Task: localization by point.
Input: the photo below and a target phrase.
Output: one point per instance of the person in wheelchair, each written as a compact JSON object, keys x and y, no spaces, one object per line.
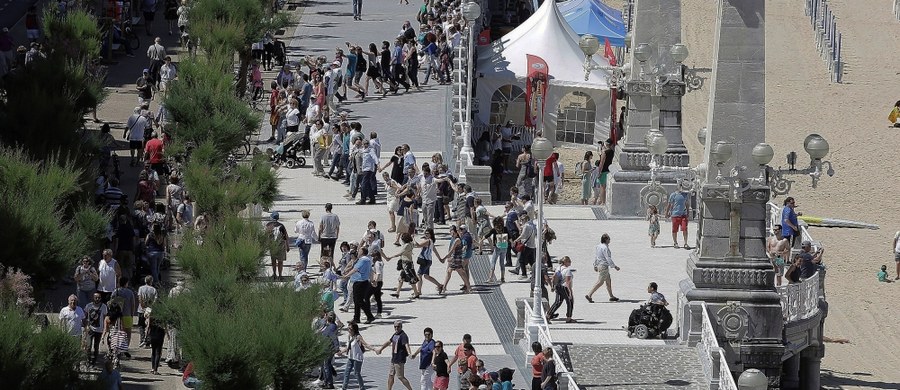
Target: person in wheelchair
{"x":652,"y":318}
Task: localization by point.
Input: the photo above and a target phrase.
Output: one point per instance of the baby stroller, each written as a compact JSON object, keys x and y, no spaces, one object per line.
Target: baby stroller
{"x":290,"y":152}
{"x":648,"y":321}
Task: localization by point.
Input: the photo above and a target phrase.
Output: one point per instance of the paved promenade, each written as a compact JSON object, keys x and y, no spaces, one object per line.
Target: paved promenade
{"x":489,"y":313}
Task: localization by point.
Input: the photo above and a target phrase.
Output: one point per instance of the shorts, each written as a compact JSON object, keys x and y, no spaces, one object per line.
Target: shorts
{"x":897,"y":257}
{"x":425,"y":269}
{"x":397,"y":369}
{"x":602,"y":273}
{"x":441,"y":382}
{"x":356,"y":77}
{"x":679,"y":222}
{"x":602,"y":179}
{"x":279,"y":256}
{"x":135,"y":144}
{"x":548,"y":178}
{"x":127,"y":322}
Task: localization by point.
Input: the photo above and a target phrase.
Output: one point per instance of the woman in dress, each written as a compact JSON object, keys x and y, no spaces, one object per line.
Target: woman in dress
{"x":412,"y":64}
{"x":356,"y":345}
{"x":372,"y":71}
{"x":455,"y":253}
{"x":585,"y":173}
{"x":427,"y":243}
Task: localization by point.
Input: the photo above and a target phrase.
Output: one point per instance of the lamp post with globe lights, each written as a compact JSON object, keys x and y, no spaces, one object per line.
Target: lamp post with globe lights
{"x":541,"y":149}
{"x":471,"y":11}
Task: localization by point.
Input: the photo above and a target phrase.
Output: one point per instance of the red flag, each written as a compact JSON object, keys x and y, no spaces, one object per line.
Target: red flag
{"x":611,"y":57}
{"x":608,"y":52}
{"x":484,"y":38}
{"x":535,"y":88}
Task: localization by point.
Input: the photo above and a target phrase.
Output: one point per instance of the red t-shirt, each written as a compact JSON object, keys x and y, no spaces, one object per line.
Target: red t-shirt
{"x":537,"y":365}
{"x":548,"y":167}
{"x":155,"y":149}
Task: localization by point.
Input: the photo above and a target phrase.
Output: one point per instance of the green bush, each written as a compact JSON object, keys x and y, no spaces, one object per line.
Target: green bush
{"x":232,"y":249}
{"x":37,"y":359}
{"x":44,"y":215}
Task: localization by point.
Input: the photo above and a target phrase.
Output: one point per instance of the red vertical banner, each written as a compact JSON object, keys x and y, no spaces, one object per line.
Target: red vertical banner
{"x":484,"y":38}
{"x":535,"y":89}
{"x":613,"y":114}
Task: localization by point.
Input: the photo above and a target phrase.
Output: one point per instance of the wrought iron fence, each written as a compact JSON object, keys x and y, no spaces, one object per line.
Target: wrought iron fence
{"x":828,"y":39}
{"x":800,"y":301}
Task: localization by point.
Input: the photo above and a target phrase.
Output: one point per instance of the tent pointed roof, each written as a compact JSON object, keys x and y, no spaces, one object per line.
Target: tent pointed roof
{"x":594,"y":17}
{"x":547,"y":35}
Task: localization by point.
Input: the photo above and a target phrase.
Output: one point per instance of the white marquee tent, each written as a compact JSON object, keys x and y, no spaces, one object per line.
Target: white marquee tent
{"x":545,"y":34}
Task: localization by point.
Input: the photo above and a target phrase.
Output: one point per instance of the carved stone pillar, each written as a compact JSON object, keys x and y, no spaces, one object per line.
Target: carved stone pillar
{"x":810,"y":366}
{"x":657,"y":23}
{"x":730,"y":271}
{"x":791,"y":373}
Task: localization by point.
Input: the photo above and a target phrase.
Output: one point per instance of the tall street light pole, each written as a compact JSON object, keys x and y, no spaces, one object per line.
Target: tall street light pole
{"x":471,"y":12}
{"x":541,"y":149}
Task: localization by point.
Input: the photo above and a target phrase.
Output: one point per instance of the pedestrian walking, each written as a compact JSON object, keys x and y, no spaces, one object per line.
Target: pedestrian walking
{"x":146,"y":296}
{"x":278,"y":245}
{"x":441,"y":367}
{"x":72,"y":318}
{"x":109,"y":272}
{"x":399,"y":343}
{"x":86,"y":277}
{"x":425,"y":352}
{"x":562,"y":284}
{"x":790,"y":227}
{"x":548,"y":372}
{"x":425,"y":259}
{"x":359,"y":276}
{"x":356,"y":346}
{"x":602,"y":263}
{"x":329,"y":330}
{"x":157,"y":54}
{"x":329,"y":230}
{"x":96,"y":313}
{"x":455,"y":253}
{"x":678,"y":209}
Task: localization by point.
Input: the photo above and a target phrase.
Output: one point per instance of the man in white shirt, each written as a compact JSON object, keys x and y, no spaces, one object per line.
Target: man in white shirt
{"x":134,"y":132}
{"x":72,"y":317}
{"x":156,"y":53}
{"x":109,"y":275}
{"x":306,"y":235}
{"x":602,"y":263}
{"x":167,"y":73}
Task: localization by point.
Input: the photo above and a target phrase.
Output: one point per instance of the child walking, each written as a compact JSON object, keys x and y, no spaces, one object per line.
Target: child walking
{"x":653,"y":230}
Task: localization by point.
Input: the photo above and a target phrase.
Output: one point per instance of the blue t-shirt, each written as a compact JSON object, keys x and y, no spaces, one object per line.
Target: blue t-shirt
{"x":678,"y":200}
{"x":788,"y":214}
{"x":351,"y":64}
{"x":467,"y":243}
{"x":425,"y":353}
{"x":511,"y":219}
{"x":111,"y":379}
{"x":363,"y":268}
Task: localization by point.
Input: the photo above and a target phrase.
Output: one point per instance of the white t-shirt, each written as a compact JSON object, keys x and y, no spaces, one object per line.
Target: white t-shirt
{"x":378,"y":266}
{"x":293,"y":117}
{"x":107,"y":276}
{"x":71,"y":320}
{"x":136,"y":126}
{"x":312,"y":113}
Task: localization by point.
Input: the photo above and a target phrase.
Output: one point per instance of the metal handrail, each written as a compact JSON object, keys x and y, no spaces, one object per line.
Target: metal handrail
{"x":715,"y":368}
{"x":546,"y":340}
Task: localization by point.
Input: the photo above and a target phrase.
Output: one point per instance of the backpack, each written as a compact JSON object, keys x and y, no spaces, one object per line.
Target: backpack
{"x":529,"y":169}
{"x":556,"y":280}
{"x":277,"y":237}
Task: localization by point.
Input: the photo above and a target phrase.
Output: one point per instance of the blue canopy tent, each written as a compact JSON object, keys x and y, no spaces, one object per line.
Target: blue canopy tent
{"x":594,"y":17}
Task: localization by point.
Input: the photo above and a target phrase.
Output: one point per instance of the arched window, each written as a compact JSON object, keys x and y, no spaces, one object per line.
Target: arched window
{"x":508,"y":103}
{"x":575,"y":119}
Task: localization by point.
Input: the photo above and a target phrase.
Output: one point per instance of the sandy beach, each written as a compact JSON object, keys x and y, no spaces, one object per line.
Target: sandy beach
{"x":800,"y":99}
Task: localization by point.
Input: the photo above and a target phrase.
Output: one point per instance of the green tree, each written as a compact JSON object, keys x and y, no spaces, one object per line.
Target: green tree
{"x":232,"y":26}
{"x":45,"y":216}
{"x":47,"y":100}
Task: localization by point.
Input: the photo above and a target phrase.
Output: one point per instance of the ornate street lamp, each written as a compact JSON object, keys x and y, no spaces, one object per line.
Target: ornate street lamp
{"x":471,"y":11}
{"x":589,"y":45}
{"x":541,"y":149}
